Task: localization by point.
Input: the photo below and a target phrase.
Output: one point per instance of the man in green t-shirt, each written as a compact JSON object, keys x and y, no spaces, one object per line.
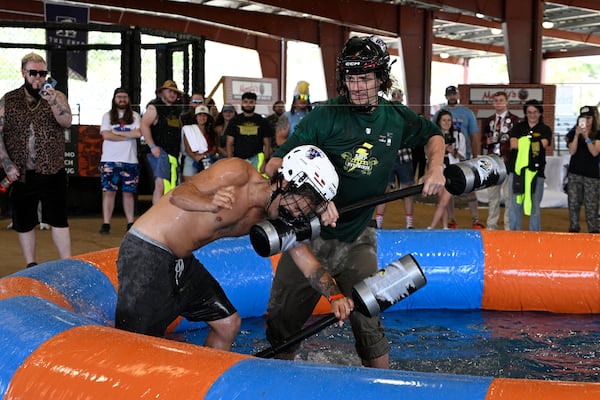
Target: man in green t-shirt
{"x":361,"y":133}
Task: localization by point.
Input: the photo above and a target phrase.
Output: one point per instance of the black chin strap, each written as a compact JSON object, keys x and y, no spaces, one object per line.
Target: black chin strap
{"x":278,"y":179}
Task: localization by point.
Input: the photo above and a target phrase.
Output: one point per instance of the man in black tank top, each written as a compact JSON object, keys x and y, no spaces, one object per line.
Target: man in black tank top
{"x":161,"y":128}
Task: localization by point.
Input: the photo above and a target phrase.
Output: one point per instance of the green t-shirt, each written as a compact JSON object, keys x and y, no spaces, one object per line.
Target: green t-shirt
{"x":363,"y":149}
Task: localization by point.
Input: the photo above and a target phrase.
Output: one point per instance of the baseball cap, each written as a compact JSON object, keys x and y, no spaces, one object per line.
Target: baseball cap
{"x":120,"y":90}
{"x":451,"y":90}
{"x":586,"y":111}
{"x":201,"y":110}
{"x":227,"y":107}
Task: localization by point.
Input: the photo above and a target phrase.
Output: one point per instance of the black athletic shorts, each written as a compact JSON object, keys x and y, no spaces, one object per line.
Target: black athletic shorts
{"x":50,"y":190}
{"x":155,"y":287}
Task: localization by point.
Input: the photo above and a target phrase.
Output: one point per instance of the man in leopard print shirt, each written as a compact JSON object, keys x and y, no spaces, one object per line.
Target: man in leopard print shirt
{"x":32,"y":150}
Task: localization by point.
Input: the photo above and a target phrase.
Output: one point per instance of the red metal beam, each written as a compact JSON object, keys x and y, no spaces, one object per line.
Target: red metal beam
{"x":466,"y":19}
{"x":462,"y":44}
{"x":366,"y":15}
{"x":523,"y":35}
{"x":333,"y":38}
{"x":241,"y":28}
{"x":276,"y":26}
{"x":593,"y":51}
{"x":554,"y":33}
{"x":415,"y":31}
{"x":573,"y":36}
{"x":23,"y":7}
{"x":589,"y":4}
{"x":449,"y":60}
{"x":489,"y":8}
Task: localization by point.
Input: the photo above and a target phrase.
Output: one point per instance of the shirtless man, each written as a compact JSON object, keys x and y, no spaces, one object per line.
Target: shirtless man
{"x":160,"y":279}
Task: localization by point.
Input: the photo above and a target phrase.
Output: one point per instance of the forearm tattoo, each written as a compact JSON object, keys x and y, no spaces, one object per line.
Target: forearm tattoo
{"x":62,"y":106}
{"x":323,"y":282}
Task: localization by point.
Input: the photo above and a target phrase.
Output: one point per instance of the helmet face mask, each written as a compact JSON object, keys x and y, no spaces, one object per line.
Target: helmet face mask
{"x":299,"y":205}
{"x":311,"y":182}
{"x":363,"y":90}
{"x":362,"y":55}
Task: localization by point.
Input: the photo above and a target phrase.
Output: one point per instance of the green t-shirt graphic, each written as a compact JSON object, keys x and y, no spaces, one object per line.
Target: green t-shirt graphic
{"x":363,"y":148}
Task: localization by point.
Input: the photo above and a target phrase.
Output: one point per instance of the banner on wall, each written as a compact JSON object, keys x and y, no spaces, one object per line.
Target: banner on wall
{"x":516,"y":95}
{"x":77,"y":60}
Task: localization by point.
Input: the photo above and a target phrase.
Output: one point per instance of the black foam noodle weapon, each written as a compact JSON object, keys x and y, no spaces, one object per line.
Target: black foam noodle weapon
{"x":461,"y":178}
{"x":372,"y":295}
{"x":397,"y":280}
{"x":273,"y":236}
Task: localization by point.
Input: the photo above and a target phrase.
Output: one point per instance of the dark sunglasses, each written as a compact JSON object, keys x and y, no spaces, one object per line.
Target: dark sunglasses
{"x":35,"y":72}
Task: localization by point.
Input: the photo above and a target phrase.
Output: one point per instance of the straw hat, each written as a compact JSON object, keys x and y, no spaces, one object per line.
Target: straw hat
{"x":169,"y":84}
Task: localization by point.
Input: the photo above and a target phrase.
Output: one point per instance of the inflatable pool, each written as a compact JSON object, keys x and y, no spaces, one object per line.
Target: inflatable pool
{"x":58,"y":340}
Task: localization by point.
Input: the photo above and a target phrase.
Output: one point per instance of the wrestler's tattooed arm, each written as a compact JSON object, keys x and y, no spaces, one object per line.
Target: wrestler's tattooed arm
{"x":322,"y":281}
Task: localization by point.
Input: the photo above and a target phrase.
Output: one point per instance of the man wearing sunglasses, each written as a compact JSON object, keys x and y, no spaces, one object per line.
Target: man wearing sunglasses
{"x":32,"y":152}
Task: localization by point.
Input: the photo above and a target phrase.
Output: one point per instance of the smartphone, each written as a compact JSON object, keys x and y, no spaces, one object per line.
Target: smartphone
{"x":50,"y":83}
{"x":581,"y":122}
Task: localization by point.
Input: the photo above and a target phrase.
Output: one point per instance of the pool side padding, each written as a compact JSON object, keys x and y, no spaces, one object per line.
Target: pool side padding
{"x":99,"y":363}
{"x":58,"y":342}
{"x":28,"y":322}
{"x":529,"y":389}
{"x":84,"y":286}
{"x":452,"y":262}
{"x":541,"y":271}
{"x":298,"y":380}
{"x":13,"y":286}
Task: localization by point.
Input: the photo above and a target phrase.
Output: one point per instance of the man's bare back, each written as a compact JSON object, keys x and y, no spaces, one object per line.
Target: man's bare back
{"x":222,"y":201}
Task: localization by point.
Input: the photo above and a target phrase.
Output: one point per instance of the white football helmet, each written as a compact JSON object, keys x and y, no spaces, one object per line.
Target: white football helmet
{"x":308,"y":164}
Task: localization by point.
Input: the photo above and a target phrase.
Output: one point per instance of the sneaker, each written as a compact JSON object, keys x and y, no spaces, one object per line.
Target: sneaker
{"x":32,"y":264}
{"x":105,"y":229}
{"x":9,"y":226}
{"x":452,"y":224}
{"x":478,"y":225}
{"x":129,"y":225}
{"x":44,"y":226}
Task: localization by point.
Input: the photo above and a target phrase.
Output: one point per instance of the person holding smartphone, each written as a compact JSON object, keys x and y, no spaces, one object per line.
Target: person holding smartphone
{"x":583,"y":187}
{"x":33,"y":118}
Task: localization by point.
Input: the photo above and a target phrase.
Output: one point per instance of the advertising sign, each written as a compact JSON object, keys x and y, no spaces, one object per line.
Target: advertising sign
{"x":516,"y":95}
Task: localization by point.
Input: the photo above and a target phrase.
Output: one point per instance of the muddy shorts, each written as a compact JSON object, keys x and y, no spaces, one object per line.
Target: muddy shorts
{"x":293,"y":299}
{"x":155,"y":287}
